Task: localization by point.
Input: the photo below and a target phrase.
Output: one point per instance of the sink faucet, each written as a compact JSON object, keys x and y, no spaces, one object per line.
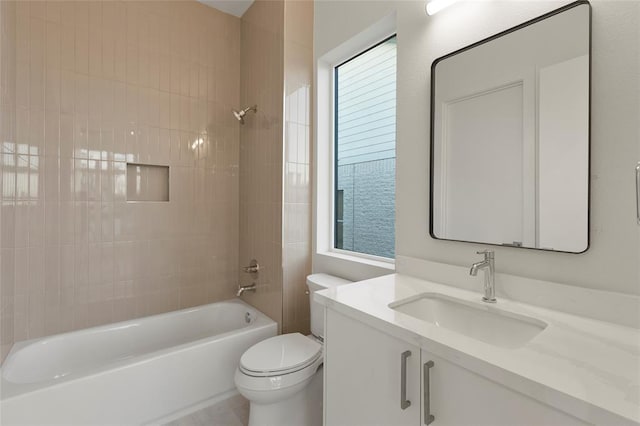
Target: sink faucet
{"x":243,"y":288}
{"x":489,"y":275}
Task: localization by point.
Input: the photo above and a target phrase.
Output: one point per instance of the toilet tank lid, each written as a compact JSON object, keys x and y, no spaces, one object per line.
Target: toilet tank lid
{"x":326,"y":280}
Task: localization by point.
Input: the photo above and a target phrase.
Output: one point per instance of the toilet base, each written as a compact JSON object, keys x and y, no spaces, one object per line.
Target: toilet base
{"x":304,"y":408}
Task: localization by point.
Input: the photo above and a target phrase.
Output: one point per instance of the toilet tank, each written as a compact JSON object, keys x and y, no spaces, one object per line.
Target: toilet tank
{"x":317,"y":282}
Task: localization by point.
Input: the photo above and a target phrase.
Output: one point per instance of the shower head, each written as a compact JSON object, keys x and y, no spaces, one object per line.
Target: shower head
{"x":240,"y":114}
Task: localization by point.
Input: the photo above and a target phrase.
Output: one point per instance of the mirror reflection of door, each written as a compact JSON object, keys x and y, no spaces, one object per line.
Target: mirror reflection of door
{"x":511,"y":137}
{"x":483,"y":157}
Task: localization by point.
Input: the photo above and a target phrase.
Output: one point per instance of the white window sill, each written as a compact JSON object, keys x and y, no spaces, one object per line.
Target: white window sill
{"x":364,"y":259}
{"x":351,"y":267}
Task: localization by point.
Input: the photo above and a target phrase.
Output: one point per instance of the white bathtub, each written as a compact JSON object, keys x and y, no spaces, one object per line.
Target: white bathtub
{"x":148,"y":370}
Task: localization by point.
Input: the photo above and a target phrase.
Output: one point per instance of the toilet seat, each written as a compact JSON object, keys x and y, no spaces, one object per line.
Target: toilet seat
{"x":280,"y":355}
{"x":282,"y":377}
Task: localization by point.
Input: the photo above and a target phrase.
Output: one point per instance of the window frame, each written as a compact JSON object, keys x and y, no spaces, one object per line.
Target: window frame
{"x":390,"y":261}
{"x":350,"y":265}
{"x":385,"y":262}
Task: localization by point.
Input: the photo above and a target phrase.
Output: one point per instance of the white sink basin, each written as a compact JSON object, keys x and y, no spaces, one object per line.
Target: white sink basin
{"x":488,"y":324}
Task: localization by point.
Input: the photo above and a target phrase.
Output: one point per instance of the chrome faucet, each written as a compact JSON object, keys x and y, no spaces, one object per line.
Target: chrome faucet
{"x":243,"y":288}
{"x":489,"y":275}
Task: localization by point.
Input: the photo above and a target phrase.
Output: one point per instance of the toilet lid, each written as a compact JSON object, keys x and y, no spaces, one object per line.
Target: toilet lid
{"x":280,"y":354}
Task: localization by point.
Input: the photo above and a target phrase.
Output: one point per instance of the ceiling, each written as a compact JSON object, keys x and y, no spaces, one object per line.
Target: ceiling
{"x":232,"y":7}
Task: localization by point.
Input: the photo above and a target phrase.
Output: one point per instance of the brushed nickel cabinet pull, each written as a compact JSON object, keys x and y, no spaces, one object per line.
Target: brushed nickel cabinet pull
{"x":404,"y":402}
{"x":428,"y":417}
{"x":638,"y":193}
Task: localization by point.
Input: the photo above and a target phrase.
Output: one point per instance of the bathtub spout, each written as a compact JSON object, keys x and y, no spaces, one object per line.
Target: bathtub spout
{"x":243,"y":288}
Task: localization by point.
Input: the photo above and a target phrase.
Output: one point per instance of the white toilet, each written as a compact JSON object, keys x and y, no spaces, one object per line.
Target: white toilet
{"x":282,"y":376}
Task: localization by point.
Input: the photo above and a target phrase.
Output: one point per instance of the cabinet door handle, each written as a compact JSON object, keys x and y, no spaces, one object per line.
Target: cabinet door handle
{"x":428,"y":417}
{"x":638,"y":193}
{"x":404,"y":402}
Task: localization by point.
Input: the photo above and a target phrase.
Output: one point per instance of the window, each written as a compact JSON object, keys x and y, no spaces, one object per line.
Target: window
{"x":365,"y":151}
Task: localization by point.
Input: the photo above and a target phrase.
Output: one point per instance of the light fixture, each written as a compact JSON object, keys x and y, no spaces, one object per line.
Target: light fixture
{"x":435,"y":6}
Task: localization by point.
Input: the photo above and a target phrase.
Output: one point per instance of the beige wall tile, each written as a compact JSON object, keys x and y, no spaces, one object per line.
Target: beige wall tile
{"x":261,"y":71}
{"x":8,"y":86}
{"x":92,"y":85}
{"x":97,"y":88}
{"x":298,"y":80}
{"x":281,"y":281}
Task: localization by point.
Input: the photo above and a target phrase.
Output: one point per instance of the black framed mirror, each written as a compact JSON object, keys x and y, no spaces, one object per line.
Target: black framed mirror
{"x":510,"y":136}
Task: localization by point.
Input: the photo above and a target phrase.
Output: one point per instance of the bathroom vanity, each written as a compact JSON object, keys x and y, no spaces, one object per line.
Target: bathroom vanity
{"x":404,"y":351}
{"x":510,"y":162}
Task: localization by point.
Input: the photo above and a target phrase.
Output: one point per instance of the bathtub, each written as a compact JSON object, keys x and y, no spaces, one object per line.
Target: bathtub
{"x":149,"y":370}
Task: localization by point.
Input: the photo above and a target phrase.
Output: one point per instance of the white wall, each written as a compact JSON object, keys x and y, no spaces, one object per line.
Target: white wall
{"x":563,"y":170}
{"x":612,"y":261}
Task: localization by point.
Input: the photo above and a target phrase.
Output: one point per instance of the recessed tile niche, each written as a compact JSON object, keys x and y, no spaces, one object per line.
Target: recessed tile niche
{"x":146,"y":182}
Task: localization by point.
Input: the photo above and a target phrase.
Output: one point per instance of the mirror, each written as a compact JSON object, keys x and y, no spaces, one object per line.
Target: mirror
{"x":510,"y":136}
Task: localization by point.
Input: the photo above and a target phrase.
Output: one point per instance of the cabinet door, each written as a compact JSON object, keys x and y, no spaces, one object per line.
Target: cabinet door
{"x":459,"y":397}
{"x":363,"y":376}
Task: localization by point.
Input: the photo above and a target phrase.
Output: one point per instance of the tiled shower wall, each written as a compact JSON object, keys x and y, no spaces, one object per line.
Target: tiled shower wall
{"x":275,"y":206}
{"x":261,"y":152}
{"x":100,"y":84}
{"x":298,"y":77}
{"x":7,"y":132}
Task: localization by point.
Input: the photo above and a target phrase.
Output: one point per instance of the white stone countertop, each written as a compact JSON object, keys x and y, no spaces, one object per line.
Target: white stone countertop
{"x":584,"y":367}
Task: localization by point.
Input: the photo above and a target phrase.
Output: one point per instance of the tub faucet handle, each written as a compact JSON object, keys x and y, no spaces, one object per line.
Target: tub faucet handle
{"x":253,"y":267}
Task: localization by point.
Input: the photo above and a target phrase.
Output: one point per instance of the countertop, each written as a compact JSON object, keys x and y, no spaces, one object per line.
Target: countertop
{"x":584,"y":367}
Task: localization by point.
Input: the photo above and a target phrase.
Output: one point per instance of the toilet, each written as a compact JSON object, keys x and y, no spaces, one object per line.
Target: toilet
{"x":282,"y":376}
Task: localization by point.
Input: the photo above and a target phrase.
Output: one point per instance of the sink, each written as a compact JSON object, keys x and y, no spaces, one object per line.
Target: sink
{"x":488,"y":324}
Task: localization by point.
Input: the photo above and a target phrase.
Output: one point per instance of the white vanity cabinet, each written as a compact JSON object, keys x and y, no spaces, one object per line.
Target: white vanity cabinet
{"x":364,"y":384}
{"x":458,"y":397}
{"x":363,"y":375}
